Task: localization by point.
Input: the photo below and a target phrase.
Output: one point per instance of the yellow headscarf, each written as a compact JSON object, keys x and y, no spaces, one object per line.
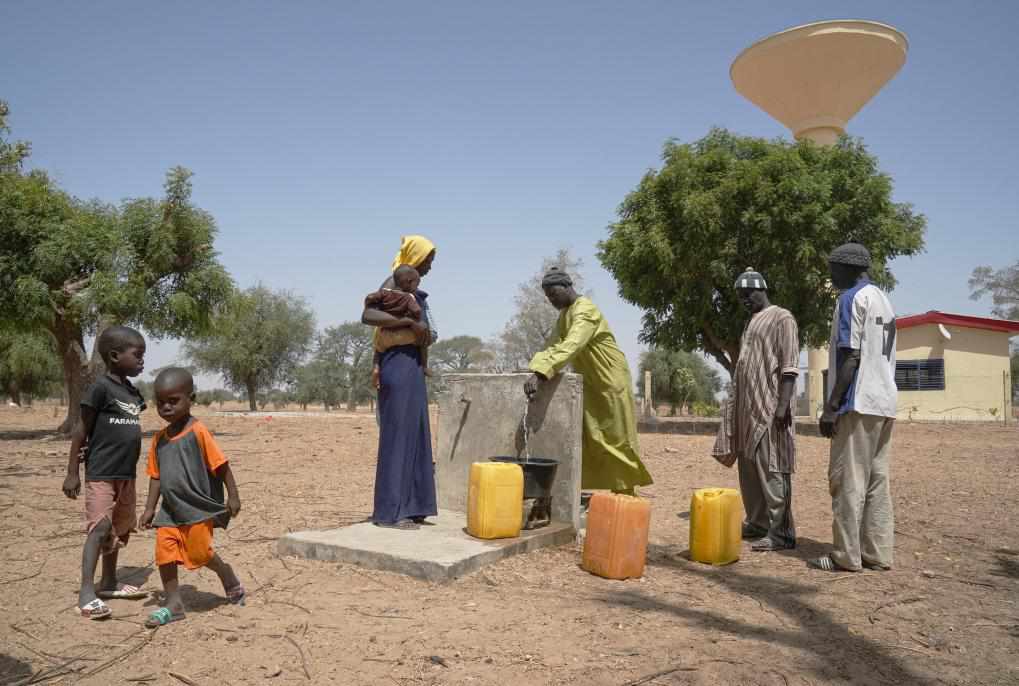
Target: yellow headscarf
{"x":413,"y":251}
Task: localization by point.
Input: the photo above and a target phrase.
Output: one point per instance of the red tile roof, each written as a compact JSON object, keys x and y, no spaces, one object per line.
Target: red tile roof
{"x":935,"y":317}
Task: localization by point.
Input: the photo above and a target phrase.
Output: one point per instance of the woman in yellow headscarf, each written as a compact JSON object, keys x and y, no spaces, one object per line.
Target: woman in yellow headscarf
{"x":404,"y":476}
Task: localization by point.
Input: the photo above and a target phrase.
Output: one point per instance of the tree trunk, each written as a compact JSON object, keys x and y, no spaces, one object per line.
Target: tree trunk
{"x":252,"y":390}
{"x":71,"y":348}
{"x":352,"y":398}
{"x":15,"y":393}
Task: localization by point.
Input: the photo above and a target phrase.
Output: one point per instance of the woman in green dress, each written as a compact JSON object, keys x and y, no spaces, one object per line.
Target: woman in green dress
{"x":611,"y":456}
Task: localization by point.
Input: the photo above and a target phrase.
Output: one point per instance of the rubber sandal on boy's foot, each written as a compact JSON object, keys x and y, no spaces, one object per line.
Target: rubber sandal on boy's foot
{"x":95,"y":609}
{"x":125,"y":592}
{"x":235,"y":595}
{"x":826,"y":564}
{"x":162,"y":617}
{"x":403,"y":525}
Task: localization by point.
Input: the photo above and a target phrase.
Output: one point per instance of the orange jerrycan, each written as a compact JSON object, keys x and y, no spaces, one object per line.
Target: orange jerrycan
{"x":616,"y":543}
{"x":716,"y":518}
{"x":495,"y":500}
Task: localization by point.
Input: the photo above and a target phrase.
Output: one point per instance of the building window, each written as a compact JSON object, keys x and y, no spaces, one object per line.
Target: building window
{"x":920,"y":375}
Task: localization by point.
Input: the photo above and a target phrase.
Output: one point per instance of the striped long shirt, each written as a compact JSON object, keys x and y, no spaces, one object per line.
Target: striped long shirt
{"x":769,"y":349}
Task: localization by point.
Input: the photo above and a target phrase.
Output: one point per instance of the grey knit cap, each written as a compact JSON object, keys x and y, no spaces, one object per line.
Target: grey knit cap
{"x":853,"y":254}
{"x":556,"y":277}
{"x":751,"y":279}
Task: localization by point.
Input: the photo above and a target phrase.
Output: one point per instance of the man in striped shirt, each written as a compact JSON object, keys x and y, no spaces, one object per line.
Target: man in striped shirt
{"x":762,"y":416}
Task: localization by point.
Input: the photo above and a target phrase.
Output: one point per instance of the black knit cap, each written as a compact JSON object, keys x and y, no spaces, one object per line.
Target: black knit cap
{"x":751,"y":279}
{"x":852,"y":254}
{"x":556,"y":277}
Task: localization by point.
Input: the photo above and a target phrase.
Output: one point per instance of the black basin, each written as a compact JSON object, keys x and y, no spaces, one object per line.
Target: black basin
{"x":539,"y":476}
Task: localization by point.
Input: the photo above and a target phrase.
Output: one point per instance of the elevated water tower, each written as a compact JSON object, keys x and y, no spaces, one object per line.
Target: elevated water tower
{"x":814,"y":78}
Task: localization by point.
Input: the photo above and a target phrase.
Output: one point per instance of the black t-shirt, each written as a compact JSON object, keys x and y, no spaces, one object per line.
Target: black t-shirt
{"x":116,"y":440}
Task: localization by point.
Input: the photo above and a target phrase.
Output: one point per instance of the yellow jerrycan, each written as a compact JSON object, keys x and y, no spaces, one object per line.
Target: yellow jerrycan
{"x":716,"y":519}
{"x":495,"y":500}
{"x":615,"y":546}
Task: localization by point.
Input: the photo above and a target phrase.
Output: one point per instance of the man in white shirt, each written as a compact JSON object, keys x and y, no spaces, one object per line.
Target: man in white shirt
{"x":858,"y":416}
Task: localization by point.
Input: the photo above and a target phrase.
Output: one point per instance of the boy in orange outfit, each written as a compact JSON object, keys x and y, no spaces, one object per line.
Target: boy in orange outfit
{"x":188,"y":470}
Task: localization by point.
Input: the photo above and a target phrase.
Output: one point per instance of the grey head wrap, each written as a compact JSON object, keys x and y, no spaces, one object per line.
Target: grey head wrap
{"x":852,"y":254}
{"x":751,"y":279}
{"x":556,"y":277}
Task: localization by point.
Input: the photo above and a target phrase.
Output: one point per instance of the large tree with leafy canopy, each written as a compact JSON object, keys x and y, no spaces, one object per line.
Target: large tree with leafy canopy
{"x":678,"y":377}
{"x":727,"y":202}
{"x":460,"y":354}
{"x":256,"y":342}
{"x":73,"y":267}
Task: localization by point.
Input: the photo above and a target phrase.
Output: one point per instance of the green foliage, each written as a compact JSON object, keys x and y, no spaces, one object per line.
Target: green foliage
{"x":29,"y":367}
{"x":460,"y":354}
{"x":1003,"y":287}
{"x":678,"y":377}
{"x":217,"y":395}
{"x":705,"y":410}
{"x":345,"y":353}
{"x":256,"y":342}
{"x":73,"y":267}
{"x":725,"y":202}
{"x":533,"y":323}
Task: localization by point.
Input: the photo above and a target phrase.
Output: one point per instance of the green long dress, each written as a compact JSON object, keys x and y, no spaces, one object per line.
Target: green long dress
{"x":611,"y":457}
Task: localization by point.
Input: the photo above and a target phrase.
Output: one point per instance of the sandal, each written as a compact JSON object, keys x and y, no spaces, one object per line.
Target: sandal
{"x":826,"y":564}
{"x":403,"y":525}
{"x":125,"y":592}
{"x":95,"y":609}
{"x":236,"y":595}
{"x":162,"y":617}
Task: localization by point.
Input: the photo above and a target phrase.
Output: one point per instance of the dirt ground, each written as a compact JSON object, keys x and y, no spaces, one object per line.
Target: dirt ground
{"x":946,"y":614}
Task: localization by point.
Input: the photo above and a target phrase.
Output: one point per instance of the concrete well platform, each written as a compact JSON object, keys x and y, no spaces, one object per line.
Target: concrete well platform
{"x":441,"y":552}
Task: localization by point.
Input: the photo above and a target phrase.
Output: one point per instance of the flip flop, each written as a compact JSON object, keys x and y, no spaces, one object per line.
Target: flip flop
{"x":236,"y":595}
{"x":95,"y":609}
{"x":125,"y":592}
{"x":162,"y":617}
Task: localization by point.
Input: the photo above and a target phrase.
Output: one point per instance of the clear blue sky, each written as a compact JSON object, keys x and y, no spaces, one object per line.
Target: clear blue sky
{"x":321,"y":132}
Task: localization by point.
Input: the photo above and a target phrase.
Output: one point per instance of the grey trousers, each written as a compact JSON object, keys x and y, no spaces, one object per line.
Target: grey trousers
{"x":863,"y":525}
{"x":767,"y":498}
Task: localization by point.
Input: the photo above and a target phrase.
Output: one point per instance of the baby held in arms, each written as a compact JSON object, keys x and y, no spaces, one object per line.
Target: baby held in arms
{"x":399,"y":302}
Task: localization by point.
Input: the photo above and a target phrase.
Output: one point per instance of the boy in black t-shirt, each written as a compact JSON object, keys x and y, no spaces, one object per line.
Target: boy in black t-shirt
{"x":111,"y":433}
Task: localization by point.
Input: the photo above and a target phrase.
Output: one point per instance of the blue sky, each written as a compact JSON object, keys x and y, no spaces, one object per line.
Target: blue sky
{"x":321,"y":132}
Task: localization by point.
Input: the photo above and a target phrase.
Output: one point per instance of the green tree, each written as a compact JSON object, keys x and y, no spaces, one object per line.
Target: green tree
{"x":72,"y":267}
{"x":256,"y":342}
{"x":29,"y":366}
{"x":347,"y":351}
{"x":460,"y":354}
{"x":1003,"y":287}
{"x":533,"y":323}
{"x":678,"y":377}
{"x":726,"y":202}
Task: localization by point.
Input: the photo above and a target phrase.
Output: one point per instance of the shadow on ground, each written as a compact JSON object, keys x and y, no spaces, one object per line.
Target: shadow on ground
{"x":13,"y":670}
{"x":1007,"y":562}
{"x":806,"y":624}
{"x":194,"y":600}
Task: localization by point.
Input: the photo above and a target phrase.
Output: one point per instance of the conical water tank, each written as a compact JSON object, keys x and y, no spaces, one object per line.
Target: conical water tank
{"x":815,"y":78}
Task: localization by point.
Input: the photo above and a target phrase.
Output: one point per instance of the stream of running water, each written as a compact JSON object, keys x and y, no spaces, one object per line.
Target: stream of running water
{"x":523,"y":420}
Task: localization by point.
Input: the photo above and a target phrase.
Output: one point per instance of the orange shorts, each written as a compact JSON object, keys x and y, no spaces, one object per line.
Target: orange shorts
{"x":189,"y":544}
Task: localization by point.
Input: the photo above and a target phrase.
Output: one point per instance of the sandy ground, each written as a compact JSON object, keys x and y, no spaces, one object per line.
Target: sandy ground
{"x":946,"y":614}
